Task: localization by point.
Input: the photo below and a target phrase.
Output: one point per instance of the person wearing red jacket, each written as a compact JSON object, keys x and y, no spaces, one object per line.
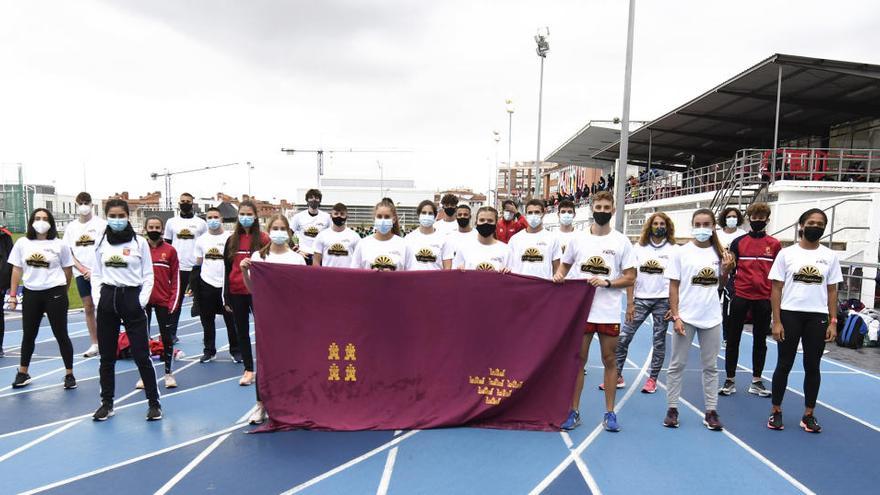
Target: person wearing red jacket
{"x":164,"y":297}
{"x":754,"y":254}
{"x":511,"y":222}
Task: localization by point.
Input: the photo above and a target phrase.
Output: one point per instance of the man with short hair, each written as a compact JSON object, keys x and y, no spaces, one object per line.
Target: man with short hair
{"x":566,"y":213}
{"x":535,"y":250}
{"x":510,"y":223}
{"x":334,"y":246}
{"x":308,"y":223}
{"x":464,"y":233}
{"x":81,"y":236}
{"x":446,"y":223}
{"x":181,"y":232}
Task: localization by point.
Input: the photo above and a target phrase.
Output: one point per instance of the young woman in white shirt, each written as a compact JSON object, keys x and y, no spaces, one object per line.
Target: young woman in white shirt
{"x":803,"y":299}
{"x":428,"y":248}
{"x":695,"y":273}
{"x":335,"y":246}
{"x":384,"y":250}
{"x":486,"y":253}
{"x":279,"y":250}
{"x":42,"y":263}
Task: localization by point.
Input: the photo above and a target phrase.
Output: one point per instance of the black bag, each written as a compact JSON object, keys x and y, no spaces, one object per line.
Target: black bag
{"x":853,"y":333}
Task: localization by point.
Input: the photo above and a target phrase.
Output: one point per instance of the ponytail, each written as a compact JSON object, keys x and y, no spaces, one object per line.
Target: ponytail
{"x":716,"y":243}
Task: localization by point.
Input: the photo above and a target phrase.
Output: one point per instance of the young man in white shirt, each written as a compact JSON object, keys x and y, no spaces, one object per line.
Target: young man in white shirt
{"x":535,"y":250}
{"x":181,"y":232}
{"x":465,"y":232}
{"x":566,"y":215}
{"x":605,"y":259}
{"x":81,"y":236}
{"x":447,"y":224}
{"x":334,"y":246}
{"x":308,"y":223}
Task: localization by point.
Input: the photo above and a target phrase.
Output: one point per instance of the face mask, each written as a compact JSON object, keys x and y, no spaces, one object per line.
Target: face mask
{"x":154,"y":235}
{"x":508,"y":216}
{"x":758,"y":225}
{"x":659,"y":232}
{"x":84,"y":210}
{"x":186,"y":207}
{"x":339,"y":221}
{"x":214,"y":223}
{"x":246,"y":221}
{"x":426,"y":220}
{"x":730,"y":222}
{"x":566,"y":218}
{"x":486,"y":229}
{"x":450,"y":212}
{"x":383,"y":225}
{"x":601,"y":217}
{"x":534,"y":221}
{"x":812,"y":234}
{"x":314,"y":204}
{"x":41,"y":226}
{"x":279,"y":237}
{"x":702,"y":234}
{"x":117,"y":224}
{"x":463,"y":222}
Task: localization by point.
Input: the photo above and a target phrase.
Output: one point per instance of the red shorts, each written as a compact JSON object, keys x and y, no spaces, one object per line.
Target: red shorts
{"x":610,"y":329}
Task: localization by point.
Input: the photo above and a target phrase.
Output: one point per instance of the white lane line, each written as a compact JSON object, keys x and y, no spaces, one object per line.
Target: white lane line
{"x":36,"y":441}
{"x":566,"y":439}
{"x":353,"y":462}
{"x":51,"y":372}
{"x":587,"y":475}
{"x":386,"y":473}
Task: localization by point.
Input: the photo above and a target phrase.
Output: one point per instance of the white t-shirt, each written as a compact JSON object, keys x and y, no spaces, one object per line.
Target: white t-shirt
{"x":82,"y":238}
{"x":806,"y":273}
{"x":210,"y":247}
{"x":373,"y":254}
{"x":444,"y":227}
{"x":183,"y":233}
{"x":427,"y":251}
{"x":478,"y":256}
{"x":727,"y":239}
{"x":606,"y":257}
{"x":41,"y":262}
{"x":565,"y":238}
{"x":291,"y":257}
{"x":307,"y":227}
{"x":457,"y":238}
{"x":534,"y":254}
{"x":698,"y":271}
{"x":124,"y":265}
{"x":650,"y":280}
{"x":336,"y":248}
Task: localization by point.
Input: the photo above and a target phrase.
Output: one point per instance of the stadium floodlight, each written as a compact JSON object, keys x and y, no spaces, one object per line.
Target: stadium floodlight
{"x":542,"y":49}
{"x":509,"y":108}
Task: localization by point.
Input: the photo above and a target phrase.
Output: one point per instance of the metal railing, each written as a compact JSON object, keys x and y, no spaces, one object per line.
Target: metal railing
{"x":831,"y":218}
{"x":854,"y":279}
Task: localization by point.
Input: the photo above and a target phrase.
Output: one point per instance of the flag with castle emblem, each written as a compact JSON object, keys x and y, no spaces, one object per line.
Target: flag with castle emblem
{"x":368,"y":350}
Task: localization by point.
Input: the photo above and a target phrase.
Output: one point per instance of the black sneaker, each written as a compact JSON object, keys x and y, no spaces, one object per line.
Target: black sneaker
{"x":21,"y":380}
{"x":729,"y":388}
{"x":758,"y":388}
{"x":775,"y":421}
{"x":671,"y":420}
{"x":712,"y":422}
{"x":810,"y":424}
{"x":104,"y":412}
{"x":175,"y":340}
{"x":236,"y":357}
{"x":2,"y":354}
{"x":69,"y":382}
{"x":154,"y":413}
{"x":207,"y":356}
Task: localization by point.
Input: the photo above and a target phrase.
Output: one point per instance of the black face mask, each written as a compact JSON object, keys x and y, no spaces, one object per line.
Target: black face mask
{"x":314,"y":204}
{"x":758,"y":225}
{"x":186,"y":209}
{"x":463,"y":222}
{"x":659,"y":232}
{"x":339,"y":221}
{"x":812,"y":234}
{"x":486,"y":229}
{"x":449,"y":211}
{"x":154,"y":235}
{"x":601,"y":217}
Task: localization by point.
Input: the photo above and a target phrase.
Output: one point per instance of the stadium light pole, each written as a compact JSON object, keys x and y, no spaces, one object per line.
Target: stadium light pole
{"x":509,"y":107}
{"x":619,"y":183}
{"x":496,"y":136}
{"x":541,"y":50}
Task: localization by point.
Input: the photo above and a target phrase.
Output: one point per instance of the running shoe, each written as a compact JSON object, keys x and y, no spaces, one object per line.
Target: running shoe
{"x":104,"y":412}
{"x":729,"y":388}
{"x":671,"y":419}
{"x":207,"y":356}
{"x":175,"y":340}
{"x":572,"y":422}
{"x":69,"y":382}
{"x":246,"y":379}
{"x":170,"y":382}
{"x":2,"y":354}
{"x":139,"y":385}
{"x":810,"y":424}
{"x":775,"y":421}
{"x":650,"y":386}
{"x":610,"y":422}
{"x":259,"y":416}
{"x":236,"y":357}
{"x":758,"y":388}
{"x":712,"y":422}
{"x":92,"y":351}
{"x":154,"y":413}
{"x":620,"y":383}
{"x":21,"y":380}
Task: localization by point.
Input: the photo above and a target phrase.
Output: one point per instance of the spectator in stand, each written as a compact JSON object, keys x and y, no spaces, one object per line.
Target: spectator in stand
{"x":611,"y":182}
{"x":512,"y":222}
{"x":601,"y":183}
{"x":593,"y":189}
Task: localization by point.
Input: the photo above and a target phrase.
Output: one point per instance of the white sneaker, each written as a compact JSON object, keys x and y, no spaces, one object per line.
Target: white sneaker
{"x":170,"y":382}
{"x":92,"y":351}
{"x":139,"y":385}
{"x":259,"y":416}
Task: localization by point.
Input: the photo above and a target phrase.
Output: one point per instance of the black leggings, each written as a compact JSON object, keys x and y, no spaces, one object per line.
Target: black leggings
{"x":122,"y":304}
{"x":242,"y":307}
{"x":162,"y":321}
{"x":739,"y":308}
{"x":211,"y":304}
{"x":53,"y":303}
{"x":810,"y":328}
{"x":174,"y":317}
{"x":2,"y":320}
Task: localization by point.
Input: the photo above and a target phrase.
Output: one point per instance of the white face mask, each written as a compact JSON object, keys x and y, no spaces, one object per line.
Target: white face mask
{"x":566,"y":218}
{"x":508,"y":216}
{"x":279,"y":237}
{"x":731,"y":222}
{"x":41,"y":226}
{"x":383,"y":225}
{"x":83,"y":210}
{"x":534,"y":220}
{"x":426,"y":220}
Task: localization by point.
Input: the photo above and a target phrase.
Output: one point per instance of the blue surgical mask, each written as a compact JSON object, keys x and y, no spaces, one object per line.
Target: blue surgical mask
{"x":731,"y":222}
{"x":383,"y":225}
{"x":279,"y":237}
{"x":246,"y":220}
{"x":566,"y":218}
{"x":214,"y":223}
{"x":702,"y":234}
{"x":426,"y":220}
{"x":117,"y":224}
{"x":534,"y":221}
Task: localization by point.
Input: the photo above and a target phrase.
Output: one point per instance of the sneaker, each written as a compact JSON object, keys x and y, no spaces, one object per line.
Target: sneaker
{"x":236,"y":357}
{"x":2,"y":354}
{"x":572,"y":422}
{"x":610,"y":422}
{"x":170,"y":382}
{"x":246,"y":379}
{"x":775,"y":421}
{"x":757,"y":388}
{"x":650,"y":386}
{"x":139,"y":385}
{"x":620,"y":383}
{"x":712,"y":422}
{"x":175,"y":340}
{"x":671,"y":419}
{"x":69,"y":382}
{"x":259,"y":416}
{"x":810,"y":424}
{"x":104,"y":412}
{"x":21,"y":380}
{"x":207,"y":356}
{"x":729,"y":388}
{"x":92,"y":351}
{"x":154,"y":413}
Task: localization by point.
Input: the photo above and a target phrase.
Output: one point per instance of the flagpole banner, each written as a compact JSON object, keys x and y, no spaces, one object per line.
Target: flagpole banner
{"x":363,"y":350}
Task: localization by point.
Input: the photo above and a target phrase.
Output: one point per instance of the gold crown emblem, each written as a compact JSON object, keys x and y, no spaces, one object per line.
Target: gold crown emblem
{"x":476,"y":380}
{"x":497,"y":372}
{"x":486,"y":267}
{"x":485,"y":390}
{"x":496,"y":382}
{"x":532,"y":255}
{"x":337,"y":249}
{"x":514,"y":384}
{"x":809,"y":274}
{"x":493,"y":401}
{"x":504,"y":392}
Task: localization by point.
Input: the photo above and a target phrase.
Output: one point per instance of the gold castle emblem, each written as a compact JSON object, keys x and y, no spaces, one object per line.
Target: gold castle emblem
{"x":595,"y":265}
{"x":333,"y":352}
{"x":425,"y":255}
{"x":336,"y":361}
{"x":651,"y":267}
{"x":37,"y":260}
{"x":808,"y":274}
{"x":532,"y":255}
{"x":705,"y":277}
{"x":337,"y":249}
{"x":85,"y":240}
{"x":495,"y":387}
{"x":486,"y":267}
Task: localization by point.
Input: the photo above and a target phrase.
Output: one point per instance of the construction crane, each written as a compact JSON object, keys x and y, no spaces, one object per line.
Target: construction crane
{"x":320,"y":156}
{"x":167,"y":174}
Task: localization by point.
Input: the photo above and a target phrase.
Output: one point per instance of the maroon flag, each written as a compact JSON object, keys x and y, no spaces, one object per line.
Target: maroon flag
{"x":360,"y":350}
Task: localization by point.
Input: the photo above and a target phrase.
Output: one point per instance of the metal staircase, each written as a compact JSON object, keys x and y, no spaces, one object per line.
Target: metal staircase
{"x":742,"y":184}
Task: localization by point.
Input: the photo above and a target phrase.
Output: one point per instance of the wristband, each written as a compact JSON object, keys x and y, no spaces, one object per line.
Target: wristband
{"x":832,"y":320}
{"x":675,"y":318}
{"x":608,"y":284}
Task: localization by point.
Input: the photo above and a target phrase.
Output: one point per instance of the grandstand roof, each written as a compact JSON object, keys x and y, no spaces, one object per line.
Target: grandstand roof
{"x":740,"y":113}
{"x":581,"y":147}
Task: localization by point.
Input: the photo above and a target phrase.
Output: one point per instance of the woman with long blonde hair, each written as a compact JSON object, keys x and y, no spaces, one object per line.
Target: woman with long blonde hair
{"x":385,"y":249}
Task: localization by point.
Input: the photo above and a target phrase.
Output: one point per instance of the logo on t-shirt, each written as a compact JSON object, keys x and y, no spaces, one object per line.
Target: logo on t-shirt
{"x":705,"y":277}
{"x":85,"y":240}
{"x":486,"y":267}
{"x":37,"y":260}
{"x":116,"y":261}
{"x":337,"y":249}
{"x":595,"y":265}
{"x":425,"y":255}
{"x":185,"y":234}
{"x":213,"y":254}
{"x":532,"y":255}
{"x":383,"y":263}
{"x":651,"y":267}
{"x":809,"y":275}
{"x":311,"y":231}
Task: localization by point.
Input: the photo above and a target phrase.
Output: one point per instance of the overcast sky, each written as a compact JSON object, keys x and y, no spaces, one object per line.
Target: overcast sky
{"x":123,"y":88}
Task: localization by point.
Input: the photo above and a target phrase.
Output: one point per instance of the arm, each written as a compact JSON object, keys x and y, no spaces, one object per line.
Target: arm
{"x":174,"y":264}
{"x":169,"y":234}
{"x":678,"y":326}
{"x":630,"y":304}
{"x":146,"y":271}
{"x":97,"y":276}
{"x":13,"y":287}
{"x":776,"y":309}
{"x":246,"y":273}
{"x":831,"y":332}
{"x":68,"y":274}
{"x":316,"y":258}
